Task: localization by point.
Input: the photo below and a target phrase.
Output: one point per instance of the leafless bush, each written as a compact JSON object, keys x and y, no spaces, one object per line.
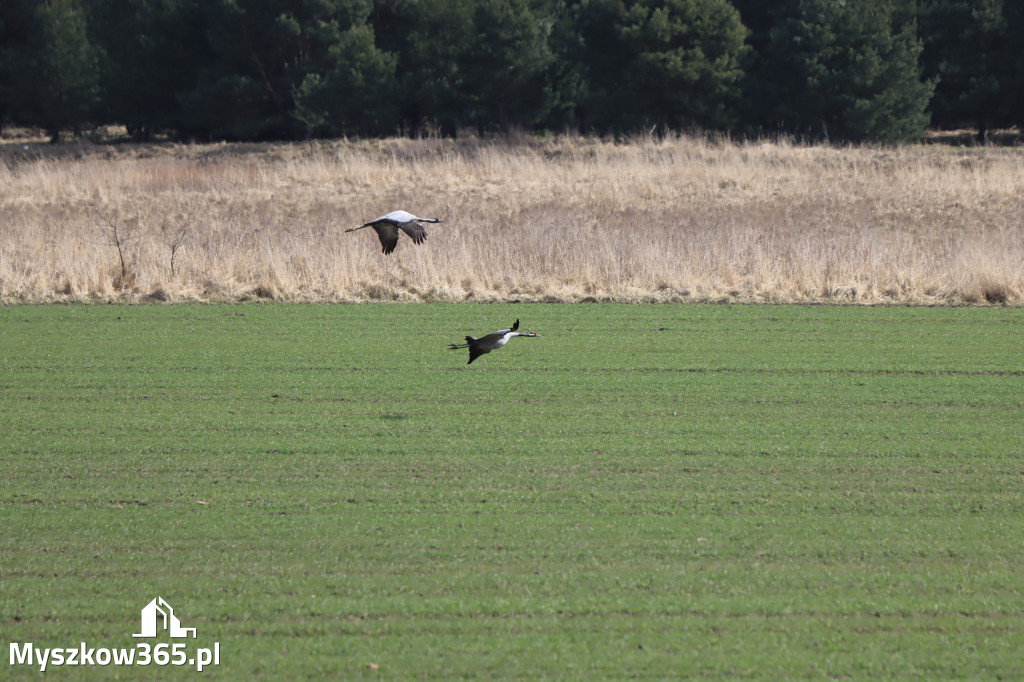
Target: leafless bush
{"x":123,"y":235}
{"x":174,"y":235}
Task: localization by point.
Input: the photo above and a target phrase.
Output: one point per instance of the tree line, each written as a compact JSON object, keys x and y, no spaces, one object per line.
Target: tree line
{"x":846,"y":70}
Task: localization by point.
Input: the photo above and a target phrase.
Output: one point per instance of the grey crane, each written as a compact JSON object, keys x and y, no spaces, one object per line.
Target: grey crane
{"x":486,"y":344}
{"x":387,"y":227}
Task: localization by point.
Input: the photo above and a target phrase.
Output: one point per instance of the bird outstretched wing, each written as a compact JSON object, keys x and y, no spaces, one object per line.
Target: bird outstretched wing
{"x":414,"y":230}
{"x":387,"y":233}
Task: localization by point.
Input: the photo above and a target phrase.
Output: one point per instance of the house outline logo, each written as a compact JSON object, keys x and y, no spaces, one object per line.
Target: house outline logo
{"x":150,"y":620}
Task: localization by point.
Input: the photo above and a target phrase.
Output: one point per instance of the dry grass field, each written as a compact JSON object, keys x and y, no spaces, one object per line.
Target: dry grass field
{"x":561,"y":218}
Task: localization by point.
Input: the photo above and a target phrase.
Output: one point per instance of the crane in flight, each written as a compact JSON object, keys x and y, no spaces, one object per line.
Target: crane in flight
{"x":486,"y":344}
{"x":387,"y":227}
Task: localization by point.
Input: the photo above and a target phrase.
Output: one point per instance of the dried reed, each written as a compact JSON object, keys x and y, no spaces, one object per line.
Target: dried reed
{"x":653,"y":219}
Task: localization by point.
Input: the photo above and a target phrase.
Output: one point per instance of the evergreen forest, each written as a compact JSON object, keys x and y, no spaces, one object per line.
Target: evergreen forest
{"x":835,"y":70}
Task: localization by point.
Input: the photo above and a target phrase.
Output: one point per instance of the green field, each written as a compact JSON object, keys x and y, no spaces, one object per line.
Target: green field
{"x":646,"y":491}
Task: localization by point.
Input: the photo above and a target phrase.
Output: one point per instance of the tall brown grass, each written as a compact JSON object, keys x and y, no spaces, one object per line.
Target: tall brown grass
{"x":564,"y":218}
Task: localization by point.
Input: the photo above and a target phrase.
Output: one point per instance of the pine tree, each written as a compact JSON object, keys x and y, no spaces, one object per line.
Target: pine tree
{"x":690,"y":62}
{"x":154,"y":50}
{"x":357,"y":93}
{"x":505,"y":66}
{"x":484,"y":64}
{"x":269,"y":62}
{"x":967,"y":49}
{"x":1014,"y":91}
{"x":674,"y":63}
{"x":846,"y":71}
{"x":53,"y":71}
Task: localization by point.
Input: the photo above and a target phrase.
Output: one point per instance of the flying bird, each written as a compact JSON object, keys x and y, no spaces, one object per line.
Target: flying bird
{"x":486,"y":344}
{"x":387,"y":227}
